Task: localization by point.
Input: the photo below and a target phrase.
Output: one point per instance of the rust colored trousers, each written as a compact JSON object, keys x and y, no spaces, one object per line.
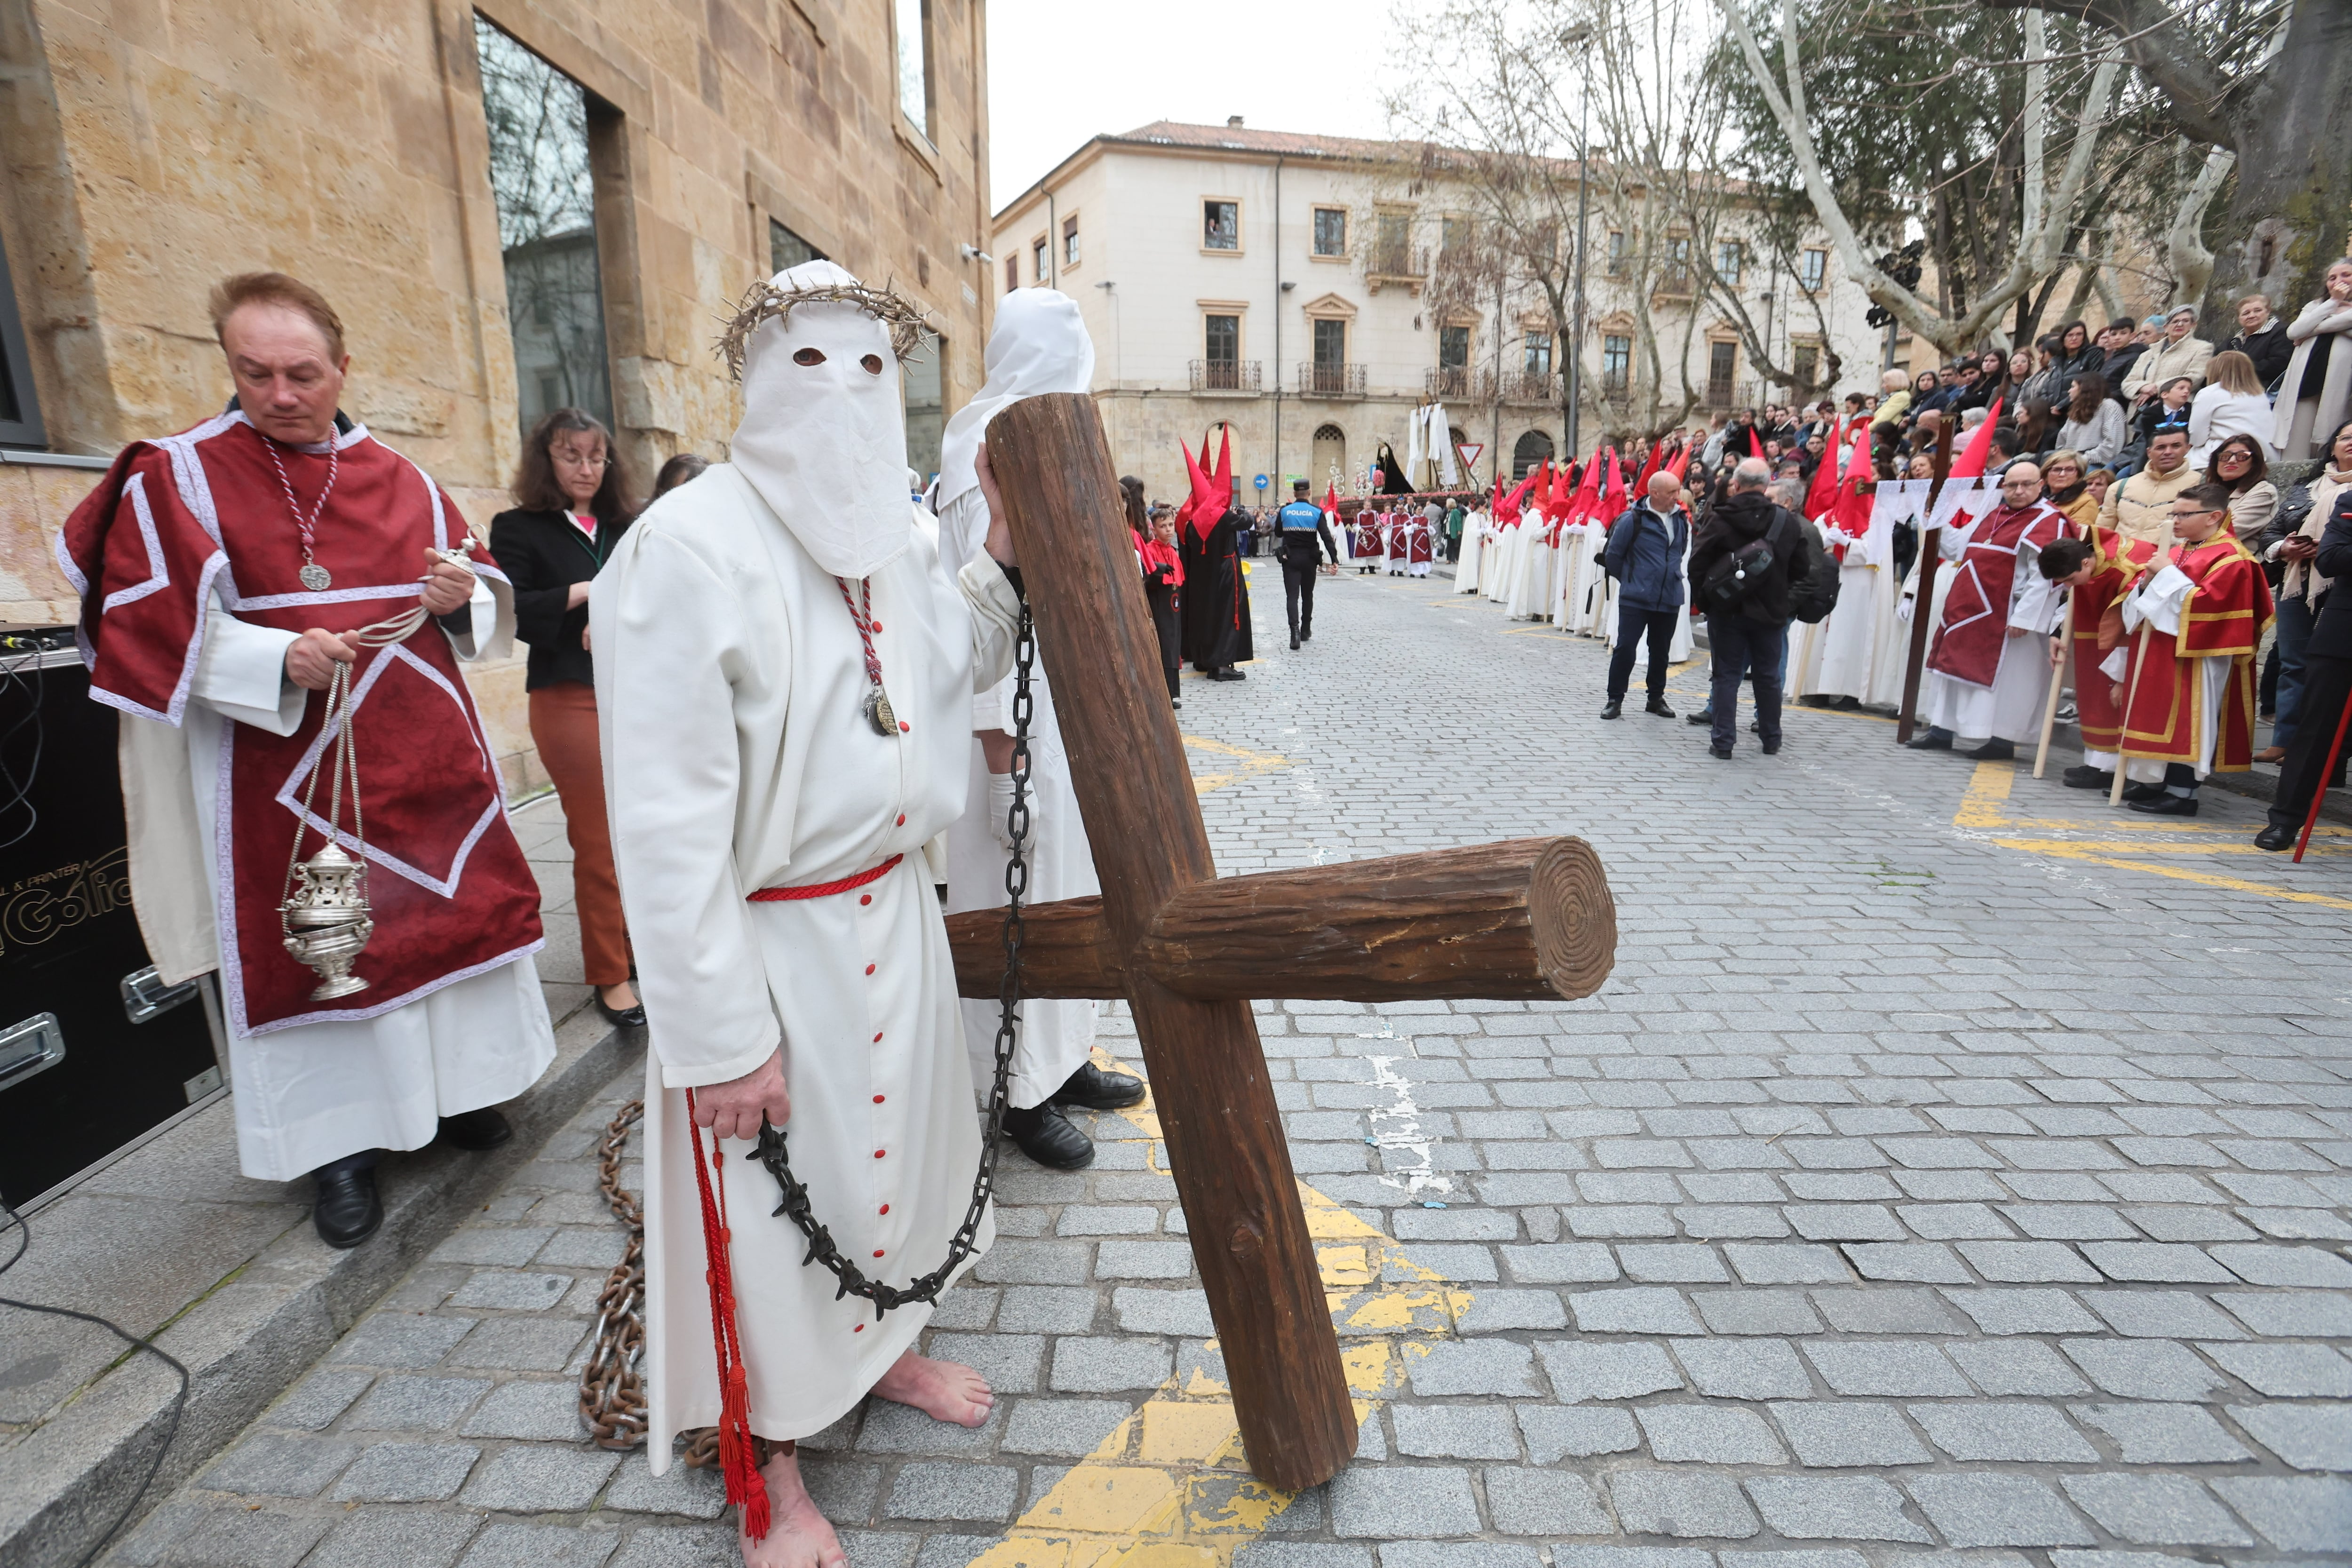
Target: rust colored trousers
{"x":563,"y":727}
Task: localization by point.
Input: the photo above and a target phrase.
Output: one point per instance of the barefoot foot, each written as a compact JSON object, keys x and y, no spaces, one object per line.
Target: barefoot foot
{"x":798,"y":1535}
{"x":943,"y":1390}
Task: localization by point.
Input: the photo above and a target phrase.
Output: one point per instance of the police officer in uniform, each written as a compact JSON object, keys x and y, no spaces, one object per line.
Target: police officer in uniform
{"x":1306,"y":543}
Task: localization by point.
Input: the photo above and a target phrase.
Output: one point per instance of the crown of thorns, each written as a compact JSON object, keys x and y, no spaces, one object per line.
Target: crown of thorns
{"x":764,"y":303}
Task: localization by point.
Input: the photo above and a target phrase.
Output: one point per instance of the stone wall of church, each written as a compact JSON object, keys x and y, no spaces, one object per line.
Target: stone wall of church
{"x":152,"y":147}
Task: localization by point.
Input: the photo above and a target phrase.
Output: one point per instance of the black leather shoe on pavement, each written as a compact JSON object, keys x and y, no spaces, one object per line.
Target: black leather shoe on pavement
{"x":347,"y":1211}
{"x":1615,"y":710}
{"x":1100,"y":1090}
{"x":1306,"y":634}
{"x":1658,"y":705}
{"x":2084,"y":776}
{"x":1771,"y":748}
{"x":2168,"y":805}
{"x":475,"y":1131}
{"x":1226,"y":672}
{"x":1293,"y":642}
{"x":1703,"y":718}
{"x":2135,"y":793}
{"x":1996,"y":750}
{"x":2274,"y":837}
{"x":1720,"y":754}
{"x":629,"y":1017}
{"x":1933,"y":740}
{"x":1046,"y":1135}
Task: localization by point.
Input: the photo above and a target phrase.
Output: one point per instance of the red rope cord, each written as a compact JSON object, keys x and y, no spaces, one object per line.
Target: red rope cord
{"x":820,"y":890}
{"x":745,"y":1488}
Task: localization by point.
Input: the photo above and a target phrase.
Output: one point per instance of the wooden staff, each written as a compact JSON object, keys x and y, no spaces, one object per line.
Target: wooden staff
{"x":1931,"y":542}
{"x":2050,"y":706}
{"x":2319,"y":788}
{"x":2131,"y":695}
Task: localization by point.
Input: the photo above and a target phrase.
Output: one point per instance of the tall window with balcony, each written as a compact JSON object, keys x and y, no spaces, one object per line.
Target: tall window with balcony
{"x":1392,"y":246}
{"x":1813,"y":270}
{"x":1221,"y":361}
{"x":913,"y":18}
{"x":1722,"y":368}
{"x":1453,"y":236}
{"x":1616,"y":364}
{"x":1537,"y":358}
{"x":1069,"y":242}
{"x":1728,"y":258}
{"x":1221,"y":225}
{"x":20,"y":412}
{"x":1453,"y":379}
{"x":1330,"y":231}
{"x":546,"y":198}
{"x":1327,"y":376}
{"x":1675,"y":277}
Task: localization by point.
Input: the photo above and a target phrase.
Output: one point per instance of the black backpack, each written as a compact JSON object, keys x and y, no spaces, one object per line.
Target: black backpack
{"x":1736,"y":576}
{"x":1813,"y":596}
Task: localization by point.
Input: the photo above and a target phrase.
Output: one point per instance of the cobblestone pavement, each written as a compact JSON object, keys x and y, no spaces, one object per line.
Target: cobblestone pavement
{"x":1950,"y":1166}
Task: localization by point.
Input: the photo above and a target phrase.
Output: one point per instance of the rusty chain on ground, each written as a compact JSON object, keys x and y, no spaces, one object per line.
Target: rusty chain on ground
{"x":612,"y":1388}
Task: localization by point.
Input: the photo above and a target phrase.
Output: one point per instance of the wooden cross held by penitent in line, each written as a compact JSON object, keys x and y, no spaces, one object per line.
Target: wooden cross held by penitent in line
{"x":1188,"y":950}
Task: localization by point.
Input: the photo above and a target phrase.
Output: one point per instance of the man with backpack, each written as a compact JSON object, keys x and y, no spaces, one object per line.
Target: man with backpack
{"x":1645,"y":557}
{"x":1748,"y":563}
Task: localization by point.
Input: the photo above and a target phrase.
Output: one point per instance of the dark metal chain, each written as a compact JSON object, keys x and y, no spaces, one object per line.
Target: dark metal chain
{"x":772,"y":1151}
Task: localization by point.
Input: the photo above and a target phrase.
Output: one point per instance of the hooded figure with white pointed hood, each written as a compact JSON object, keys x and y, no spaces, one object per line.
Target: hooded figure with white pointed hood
{"x":787,"y":673}
{"x":1039,"y":344}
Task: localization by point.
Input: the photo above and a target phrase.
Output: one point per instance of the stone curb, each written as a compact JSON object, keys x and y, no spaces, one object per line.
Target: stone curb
{"x":248,"y":1340}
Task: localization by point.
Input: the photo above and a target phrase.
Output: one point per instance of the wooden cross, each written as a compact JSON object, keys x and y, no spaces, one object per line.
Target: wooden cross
{"x":1188,"y":950}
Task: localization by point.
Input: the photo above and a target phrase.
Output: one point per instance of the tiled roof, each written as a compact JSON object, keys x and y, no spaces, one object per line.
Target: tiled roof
{"x":1244,"y":138}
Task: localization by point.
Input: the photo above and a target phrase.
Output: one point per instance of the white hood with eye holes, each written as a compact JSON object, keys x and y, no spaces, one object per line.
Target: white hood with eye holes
{"x":825,"y":443}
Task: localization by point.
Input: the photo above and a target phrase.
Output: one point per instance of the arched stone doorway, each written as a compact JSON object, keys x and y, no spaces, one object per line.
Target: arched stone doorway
{"x":1330,"y":459}
{"x":1530,"y":450}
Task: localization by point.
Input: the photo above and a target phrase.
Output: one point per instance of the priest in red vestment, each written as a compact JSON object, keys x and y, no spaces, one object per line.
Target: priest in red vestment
{"x":1987,"y":670}
{"x":2096,"y":572}
{"x":2196,"y":613}
{"x":225,"y":573}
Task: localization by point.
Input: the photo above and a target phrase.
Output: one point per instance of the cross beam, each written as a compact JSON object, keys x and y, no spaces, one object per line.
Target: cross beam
{"x":1187,"y":950}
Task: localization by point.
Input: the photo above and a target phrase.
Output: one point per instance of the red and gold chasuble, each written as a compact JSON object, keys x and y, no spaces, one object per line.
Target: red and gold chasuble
{"x":1975,"y":613}
{"x":176,"y":518}
{"x":2096,"y":622}
{"x":2223,"y":618}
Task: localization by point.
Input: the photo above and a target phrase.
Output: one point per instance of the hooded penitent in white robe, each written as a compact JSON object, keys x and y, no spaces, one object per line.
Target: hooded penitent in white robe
{"x":1473,"y":550}
{"x":1844,"y":657}
{"x":738,"y":756}
{"x":1530,"y":592}
{"x":1039,"y":344}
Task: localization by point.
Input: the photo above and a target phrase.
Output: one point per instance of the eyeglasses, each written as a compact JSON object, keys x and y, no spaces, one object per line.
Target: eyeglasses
{"x":574,"y":461}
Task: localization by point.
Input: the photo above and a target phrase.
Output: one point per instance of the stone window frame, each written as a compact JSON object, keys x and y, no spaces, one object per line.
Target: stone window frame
{"x":1241,"y":232}
{"x":1238,"y":309}
{"x":1069,"y":241}
{"x":1341,"y":255}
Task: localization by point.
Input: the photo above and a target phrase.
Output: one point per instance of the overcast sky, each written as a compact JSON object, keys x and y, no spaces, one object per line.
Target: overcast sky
{"x":1059,"y":73}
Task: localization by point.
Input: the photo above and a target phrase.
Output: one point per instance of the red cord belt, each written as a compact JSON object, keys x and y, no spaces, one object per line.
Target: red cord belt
{"x":820,"y":890}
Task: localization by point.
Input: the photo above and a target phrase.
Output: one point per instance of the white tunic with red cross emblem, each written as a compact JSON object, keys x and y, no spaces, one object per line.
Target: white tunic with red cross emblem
{"x":731,"y":687}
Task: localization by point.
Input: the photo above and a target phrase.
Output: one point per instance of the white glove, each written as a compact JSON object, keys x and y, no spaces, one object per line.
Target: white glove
{"x":999,"y":808}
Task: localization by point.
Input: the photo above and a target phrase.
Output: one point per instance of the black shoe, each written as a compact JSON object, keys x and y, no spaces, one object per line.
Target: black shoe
{"x":2168,"y":805}
{"x":347,"y":1211}
{"x":1046,"y":1135}
{"x":1293,"y":642}
{"x":2085,"y":776}
{"x":1847,"y":704}
{"x":2274,"y":837}
{"x":1227,"y":672}
{"x":631,"y":1017}
{"x":1771,"y":748}
{"x":1306,"y":634}
{"x":2135,"y":793}
{"x":1100,"y":1090}
{"x":1174,"y":702}
{"x":1658,"y":705}
{"x":1615,"y":709}
{"x":1720,"y":754}
{"x":475,"y":1131}
{"x":1935,"y":739}
{"x":1703,"y":717}
{"x":1994,"y":751}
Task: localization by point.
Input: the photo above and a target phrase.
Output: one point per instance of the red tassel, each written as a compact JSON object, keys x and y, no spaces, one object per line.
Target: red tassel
{"x":745,"y":1488}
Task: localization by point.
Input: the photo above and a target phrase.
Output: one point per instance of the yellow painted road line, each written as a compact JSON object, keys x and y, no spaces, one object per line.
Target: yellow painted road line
{"x":1984,"y":808}
{"x":1170,"y":1488}
{"x":1246,"y":763}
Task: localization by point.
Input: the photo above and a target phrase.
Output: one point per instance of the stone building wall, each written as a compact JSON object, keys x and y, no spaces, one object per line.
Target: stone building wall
{"x":152,"y":147}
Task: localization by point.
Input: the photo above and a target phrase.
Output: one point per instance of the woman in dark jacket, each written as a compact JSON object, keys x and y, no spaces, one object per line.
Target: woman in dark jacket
{"x":573,"y":504}
{"x":2077,"y":356}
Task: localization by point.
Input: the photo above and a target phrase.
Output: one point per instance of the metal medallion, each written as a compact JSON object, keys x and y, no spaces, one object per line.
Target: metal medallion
{"x":878,"y":713}
{"x":315,"y":577}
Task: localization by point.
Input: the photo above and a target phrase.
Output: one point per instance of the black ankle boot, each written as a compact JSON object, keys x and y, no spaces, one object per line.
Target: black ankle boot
{"x":1100,"y":1090}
